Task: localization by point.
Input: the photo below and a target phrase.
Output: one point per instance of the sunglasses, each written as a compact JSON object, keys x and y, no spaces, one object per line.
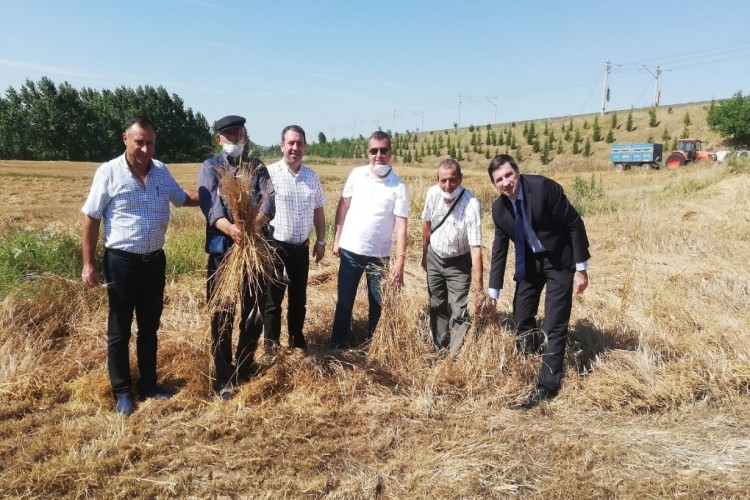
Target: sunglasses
{"x":374,"y":151}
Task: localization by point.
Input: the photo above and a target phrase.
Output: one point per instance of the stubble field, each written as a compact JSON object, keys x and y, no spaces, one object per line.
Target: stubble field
{"x":654,"y":403}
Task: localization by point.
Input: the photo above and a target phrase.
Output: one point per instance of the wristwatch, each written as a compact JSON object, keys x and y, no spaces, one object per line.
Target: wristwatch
{"x":321,"y":243}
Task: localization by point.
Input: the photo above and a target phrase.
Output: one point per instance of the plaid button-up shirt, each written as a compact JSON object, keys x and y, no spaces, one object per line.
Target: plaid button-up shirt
{"x":297,"y":197}
{"x":135,"y":216}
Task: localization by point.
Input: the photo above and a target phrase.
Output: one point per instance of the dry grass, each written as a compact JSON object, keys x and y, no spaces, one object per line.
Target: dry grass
{"x":654,"y":403}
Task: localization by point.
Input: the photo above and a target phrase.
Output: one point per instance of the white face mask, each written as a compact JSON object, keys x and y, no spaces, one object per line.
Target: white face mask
{"x":455,"y":194}
{"x":233,"y":150}
{"x":381,"y":170}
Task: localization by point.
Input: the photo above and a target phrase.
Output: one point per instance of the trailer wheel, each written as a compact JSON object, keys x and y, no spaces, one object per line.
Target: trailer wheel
{"x":646,"y":166}
{"x":619,"y":167}
{"x":675,"y":160}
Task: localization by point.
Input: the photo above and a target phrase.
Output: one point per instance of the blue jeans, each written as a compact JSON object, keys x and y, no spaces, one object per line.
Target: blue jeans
{"x":351,"y":268}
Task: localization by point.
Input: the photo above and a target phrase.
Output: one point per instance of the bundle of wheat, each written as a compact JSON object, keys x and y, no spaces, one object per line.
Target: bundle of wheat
{"x":249,"y":263}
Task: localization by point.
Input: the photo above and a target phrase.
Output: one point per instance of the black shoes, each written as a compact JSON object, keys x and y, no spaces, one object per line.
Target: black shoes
{"x":539,"y":394}
{"x":125,"y":404}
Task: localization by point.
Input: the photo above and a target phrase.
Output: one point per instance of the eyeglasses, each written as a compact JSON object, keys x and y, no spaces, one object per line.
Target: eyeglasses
{"x":374,"y":151}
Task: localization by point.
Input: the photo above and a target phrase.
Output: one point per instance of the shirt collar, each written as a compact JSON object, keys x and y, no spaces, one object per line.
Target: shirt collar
{"x":289,"y":169}
{"x":126,"y":165}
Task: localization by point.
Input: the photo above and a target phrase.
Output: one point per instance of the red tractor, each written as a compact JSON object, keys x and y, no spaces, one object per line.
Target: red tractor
{"x":688,"y":151}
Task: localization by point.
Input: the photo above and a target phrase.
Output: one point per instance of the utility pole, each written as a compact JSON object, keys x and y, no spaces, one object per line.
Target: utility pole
{"x":657,"y":93}
{"x":333,"y":127}
{"x":459,"y":111}
{"x":605,"y":96}
{"x":494,"y":104}
{"x":394,"y":120}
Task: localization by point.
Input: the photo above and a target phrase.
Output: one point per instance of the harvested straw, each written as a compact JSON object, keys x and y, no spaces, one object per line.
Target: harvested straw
{"x":249,"y":263}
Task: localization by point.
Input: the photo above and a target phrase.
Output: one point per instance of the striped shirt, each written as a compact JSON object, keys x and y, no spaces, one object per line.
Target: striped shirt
{"x":297,"y":197}
{"x":460,"y":231}
{"x":135,"y":216}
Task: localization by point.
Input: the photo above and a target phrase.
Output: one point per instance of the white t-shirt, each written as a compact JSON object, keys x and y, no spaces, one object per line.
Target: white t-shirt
{"x":460,"y":231}
{"x":375,"y":204}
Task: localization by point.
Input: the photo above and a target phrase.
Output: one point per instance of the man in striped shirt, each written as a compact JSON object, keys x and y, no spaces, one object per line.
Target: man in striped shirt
{"x":299,"y":208}
{"x":132,"y":194}
{"x":451,"y":255}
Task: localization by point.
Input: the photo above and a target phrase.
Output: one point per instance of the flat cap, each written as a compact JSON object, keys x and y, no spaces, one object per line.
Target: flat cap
{"x":231,"y":121}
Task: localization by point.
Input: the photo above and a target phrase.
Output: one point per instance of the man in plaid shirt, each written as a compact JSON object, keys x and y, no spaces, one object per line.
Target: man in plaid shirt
{"x":132,"y":194}
{"x":299,"y":208}
{"x":451,"y":255}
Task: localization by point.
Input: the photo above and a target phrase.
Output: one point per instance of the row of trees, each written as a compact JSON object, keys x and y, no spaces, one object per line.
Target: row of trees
{"x":44,"y":121}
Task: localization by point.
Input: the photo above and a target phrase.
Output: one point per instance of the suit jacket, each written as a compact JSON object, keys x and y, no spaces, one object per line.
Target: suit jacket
{"x":555,"y":221}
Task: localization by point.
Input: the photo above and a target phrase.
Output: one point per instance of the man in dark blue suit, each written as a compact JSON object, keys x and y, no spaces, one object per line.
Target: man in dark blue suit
{"x":551,"y":250}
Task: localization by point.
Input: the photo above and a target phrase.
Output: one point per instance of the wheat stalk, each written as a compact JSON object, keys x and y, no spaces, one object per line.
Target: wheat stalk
{"x":248,"y":265}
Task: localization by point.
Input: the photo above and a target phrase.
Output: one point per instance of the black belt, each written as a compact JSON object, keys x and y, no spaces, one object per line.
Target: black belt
{"x":142,"y":257}
{"x":291,"y":246}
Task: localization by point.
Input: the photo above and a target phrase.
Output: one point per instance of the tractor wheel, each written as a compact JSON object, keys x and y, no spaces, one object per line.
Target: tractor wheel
{"x":675,"y":160}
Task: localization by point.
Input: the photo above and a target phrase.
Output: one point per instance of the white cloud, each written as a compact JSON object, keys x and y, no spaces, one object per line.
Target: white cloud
{"x":44,"y":69}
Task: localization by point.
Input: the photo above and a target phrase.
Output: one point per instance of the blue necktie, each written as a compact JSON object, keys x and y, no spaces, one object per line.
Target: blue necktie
{"x":520,"y":245}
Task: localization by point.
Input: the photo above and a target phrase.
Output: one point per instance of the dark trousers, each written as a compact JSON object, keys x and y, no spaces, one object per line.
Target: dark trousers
{"x":133,"y":286}
{"x":295,"y":261}
{"x":540,"y":272}
{"x":252,"y":303}
{"x":351,"y":268}
{"x":448,"y":284}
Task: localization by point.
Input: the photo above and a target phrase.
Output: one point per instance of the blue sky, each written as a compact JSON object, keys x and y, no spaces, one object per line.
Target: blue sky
{"x":348,"y":67}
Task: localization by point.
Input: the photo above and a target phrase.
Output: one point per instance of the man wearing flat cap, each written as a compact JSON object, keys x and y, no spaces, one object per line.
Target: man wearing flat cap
{"x":221,"y":234}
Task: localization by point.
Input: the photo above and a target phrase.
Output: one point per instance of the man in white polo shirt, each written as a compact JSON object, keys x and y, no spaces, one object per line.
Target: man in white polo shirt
{"x":373,"y":203}
{"x":451,"y":255}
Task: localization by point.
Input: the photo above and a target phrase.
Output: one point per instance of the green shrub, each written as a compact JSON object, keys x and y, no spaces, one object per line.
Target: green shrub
{"x":27,"y":254}
{"x":583,"y":195}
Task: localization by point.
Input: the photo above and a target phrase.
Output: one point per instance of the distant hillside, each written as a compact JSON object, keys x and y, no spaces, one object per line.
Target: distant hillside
{"x":526,"y":140}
